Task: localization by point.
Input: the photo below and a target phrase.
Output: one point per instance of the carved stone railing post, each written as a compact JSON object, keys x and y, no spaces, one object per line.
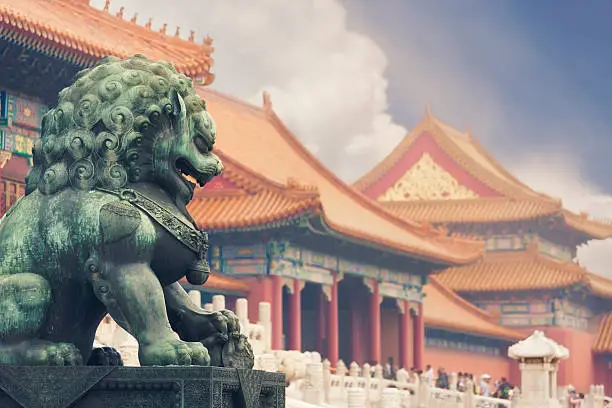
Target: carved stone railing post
{"x":468,"y":396}
{"x":452,"y":380}
{"x":516,"y":397}
{"x":242,"y":312}
{"x":390,"y":398}
{"x":196,"y":297}
{"x":595,"y":397}
{"x":341,"y":375}
{"x":314,"y":385}
{"x":354,"y":369}
{"x":326,"y":380}
{"x":265,"y":320}
{"x":218,"y":302}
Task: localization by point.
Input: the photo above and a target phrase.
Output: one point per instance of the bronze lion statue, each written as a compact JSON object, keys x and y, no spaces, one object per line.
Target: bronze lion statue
{"x":103,"y":226}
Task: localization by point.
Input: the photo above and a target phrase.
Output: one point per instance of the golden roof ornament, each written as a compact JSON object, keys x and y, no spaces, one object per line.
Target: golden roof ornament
{"x":149,"y":23}
{"x":133,"y":20}
{"x":120,"y":12}
{"x":164,"y":28}
{"x":107,"y":5}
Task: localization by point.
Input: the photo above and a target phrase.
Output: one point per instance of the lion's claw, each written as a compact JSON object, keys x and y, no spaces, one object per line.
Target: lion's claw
{"x":52,"y":354}
{"x":174,"y":352}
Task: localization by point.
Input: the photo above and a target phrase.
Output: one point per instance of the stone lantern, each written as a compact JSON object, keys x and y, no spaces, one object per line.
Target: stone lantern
{"x":538,"y":357}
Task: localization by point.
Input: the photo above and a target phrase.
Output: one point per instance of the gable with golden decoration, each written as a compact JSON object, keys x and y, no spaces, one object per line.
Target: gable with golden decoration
{"x":427,"y":180}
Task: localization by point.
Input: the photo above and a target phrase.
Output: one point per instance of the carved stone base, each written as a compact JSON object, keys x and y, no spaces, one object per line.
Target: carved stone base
{"x":130,"y":387}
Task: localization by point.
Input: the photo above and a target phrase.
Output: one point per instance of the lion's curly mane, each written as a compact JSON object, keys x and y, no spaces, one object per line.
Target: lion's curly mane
{"x":99,"y":135}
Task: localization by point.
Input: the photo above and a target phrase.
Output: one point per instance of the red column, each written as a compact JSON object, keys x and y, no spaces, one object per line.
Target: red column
{"x":404,"y":335}
{"x":321,"y":321}
{"x":295,"y":320}
{"x":419,"y":339}
{"x":375,"y":324}
{"x":277,"y":312}
{"x":332,"y":326}
{"x":356,"y":332}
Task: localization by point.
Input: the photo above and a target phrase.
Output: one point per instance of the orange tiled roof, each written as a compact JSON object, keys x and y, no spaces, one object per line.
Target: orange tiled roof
{"x":603,"y":339}
{"x":522,"y":271}
{"x":519,"y":201}
{"x":446,"y":310}
{"x":258,"y":140}
{"x":495,"y":209}
{"x":463,"y":149}
{"x":258,"y":202}
{"x":598,"y":285}
{"x":490,"y":209}
{"x":222,"y":282}
{"x":72,"y":30}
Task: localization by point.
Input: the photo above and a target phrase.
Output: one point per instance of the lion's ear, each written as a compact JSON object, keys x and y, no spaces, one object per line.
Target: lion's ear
{"x":178,"y":104}
{"x":179,"y":111}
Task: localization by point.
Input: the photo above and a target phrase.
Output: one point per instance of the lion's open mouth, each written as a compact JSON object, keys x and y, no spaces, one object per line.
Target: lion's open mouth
{"x":189,"y":174}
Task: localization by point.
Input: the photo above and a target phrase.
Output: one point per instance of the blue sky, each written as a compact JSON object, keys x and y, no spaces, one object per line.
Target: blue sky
{"x":549,"y":63}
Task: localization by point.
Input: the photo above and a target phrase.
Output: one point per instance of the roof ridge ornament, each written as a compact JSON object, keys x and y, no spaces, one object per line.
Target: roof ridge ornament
{"x":133,"y":20}
{"x":267,"y":101}
{"x":107,"y":5}
{"x":177,"y":33}
{"x":120,"y":12}
{"x":468,"y":132}
{"x":207,"y":44}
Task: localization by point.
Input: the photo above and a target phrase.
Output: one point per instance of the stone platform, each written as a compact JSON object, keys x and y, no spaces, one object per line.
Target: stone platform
{"x":131,"y":387}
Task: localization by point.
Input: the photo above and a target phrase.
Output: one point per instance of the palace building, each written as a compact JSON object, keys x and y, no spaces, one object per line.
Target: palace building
{"x":528,"y":277}
{"x":346,"y":275}
{"x":343,"y":276}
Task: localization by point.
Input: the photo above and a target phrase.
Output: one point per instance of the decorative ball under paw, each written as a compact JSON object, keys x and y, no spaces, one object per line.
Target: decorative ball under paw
{"x":105,"y":356}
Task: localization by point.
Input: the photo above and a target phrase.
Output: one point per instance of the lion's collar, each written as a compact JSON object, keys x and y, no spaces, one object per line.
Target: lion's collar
{"x":187,"y":234}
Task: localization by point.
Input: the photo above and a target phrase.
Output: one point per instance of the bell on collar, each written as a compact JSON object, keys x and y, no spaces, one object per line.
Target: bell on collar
{"x":198,"y":272}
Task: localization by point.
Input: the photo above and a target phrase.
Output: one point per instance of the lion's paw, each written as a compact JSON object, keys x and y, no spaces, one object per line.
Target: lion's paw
{"x":174,"y":352}
{"x":52,"y":354}
{"x":105,"y":356}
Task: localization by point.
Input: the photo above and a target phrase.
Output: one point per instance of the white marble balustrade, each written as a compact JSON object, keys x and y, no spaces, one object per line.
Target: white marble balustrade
{"x":312,"y":383}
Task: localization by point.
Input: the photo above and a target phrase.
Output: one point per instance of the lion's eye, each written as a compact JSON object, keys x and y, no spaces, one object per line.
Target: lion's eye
{"x":201,"y":144}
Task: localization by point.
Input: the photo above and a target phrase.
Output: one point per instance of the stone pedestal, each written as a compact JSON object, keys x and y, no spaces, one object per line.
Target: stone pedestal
{"x":538,"y":358}
{"x":151,"y":387}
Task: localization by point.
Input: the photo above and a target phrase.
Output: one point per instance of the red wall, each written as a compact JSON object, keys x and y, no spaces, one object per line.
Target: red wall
{"x":474,"y":363}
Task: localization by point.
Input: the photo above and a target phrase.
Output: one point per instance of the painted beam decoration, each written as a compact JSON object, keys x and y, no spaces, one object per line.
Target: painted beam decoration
{"x":281,"y":258}
{"x":20,"y":121}
{"x":561,"y":312}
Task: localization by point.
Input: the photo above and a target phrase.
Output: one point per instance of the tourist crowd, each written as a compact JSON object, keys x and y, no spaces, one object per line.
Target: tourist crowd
{"x":485,"y":386}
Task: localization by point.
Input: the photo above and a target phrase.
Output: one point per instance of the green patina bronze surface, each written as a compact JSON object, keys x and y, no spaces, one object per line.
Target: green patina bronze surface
{"x":103,"y":227}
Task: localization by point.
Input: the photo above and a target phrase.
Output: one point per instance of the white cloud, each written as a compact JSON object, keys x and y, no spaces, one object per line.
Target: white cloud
{"x":328,"y":83}
{"x":559,"y":175}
